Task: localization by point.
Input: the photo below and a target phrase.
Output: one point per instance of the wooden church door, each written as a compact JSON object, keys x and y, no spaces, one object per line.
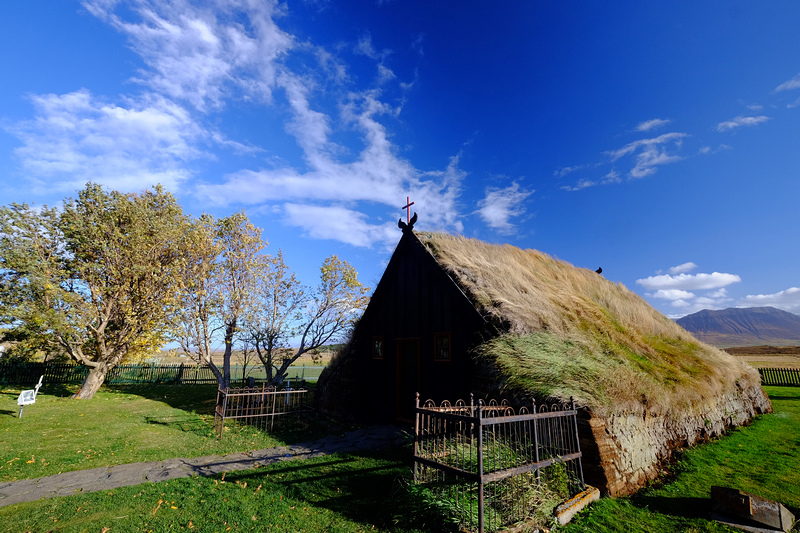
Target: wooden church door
{"x":407,"y":378}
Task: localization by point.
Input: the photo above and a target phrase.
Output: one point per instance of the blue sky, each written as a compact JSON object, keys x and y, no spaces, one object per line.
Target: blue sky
{"x":659,"y":142}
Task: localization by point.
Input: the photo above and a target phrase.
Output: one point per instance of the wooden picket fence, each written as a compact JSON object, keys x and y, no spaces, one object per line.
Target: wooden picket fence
{"x":70,"y":374}
{"x":129,"y":374}
{"x":786,"y":377}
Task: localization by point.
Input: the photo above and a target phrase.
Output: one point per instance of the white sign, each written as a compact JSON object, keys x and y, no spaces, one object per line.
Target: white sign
{"x":28,"y":397}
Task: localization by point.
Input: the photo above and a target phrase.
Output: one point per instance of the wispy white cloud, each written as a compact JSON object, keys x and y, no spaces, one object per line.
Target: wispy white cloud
{"x":582,"y":184}
{"x":650,"y":153}
{"x":202,"y":53}
{"x":568,"y":170}
{"x":612,"y":177}
{"x":673,"y":294}
{"x":340,"y":224}
{"x":364,"y":47}
{"x":417,"y":44}
{"x":741,"y":121}
{"x":707,"y":150}
{"x":682,"y":290}
{"x":205,"y":54}
{"x":652,"y":124}
{"x":793,"y":83}
{"x":701,"y":281}
{"x":377,"y":175}
{"x":501,"y":204}
{"x":692,"y":305}
{"x":788,"y":300}
{"x":632,"y":147}
{"x":197,"y":57}
{"x":76,"y":137}
{"x":682,"y":268}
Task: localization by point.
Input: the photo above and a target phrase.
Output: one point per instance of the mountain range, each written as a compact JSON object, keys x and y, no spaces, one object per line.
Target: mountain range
{"x":750,"y":326}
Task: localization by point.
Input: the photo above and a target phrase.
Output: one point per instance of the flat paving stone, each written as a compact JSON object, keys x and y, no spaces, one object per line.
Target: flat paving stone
{"x":113,"y":477}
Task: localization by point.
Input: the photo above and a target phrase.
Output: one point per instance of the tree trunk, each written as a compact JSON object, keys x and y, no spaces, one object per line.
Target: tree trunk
{"x":230,"y":329}
{"x":216,"y":372}
{"x":283,"y":371}
{"x":92,"y":383}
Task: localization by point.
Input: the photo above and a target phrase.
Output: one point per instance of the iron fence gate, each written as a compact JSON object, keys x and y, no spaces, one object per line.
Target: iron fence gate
{"x":495,"y":465}
{"x":258,"y":406}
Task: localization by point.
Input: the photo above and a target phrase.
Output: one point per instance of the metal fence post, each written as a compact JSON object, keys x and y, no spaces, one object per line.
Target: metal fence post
{"x":480,"y":468}
{"x":416,"y":439}
{"x":577,"y":439}
{"x":536,"y":439}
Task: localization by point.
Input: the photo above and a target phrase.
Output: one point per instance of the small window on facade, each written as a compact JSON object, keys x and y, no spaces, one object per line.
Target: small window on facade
{"x":377,"y":347}
{"x":442,"y":347}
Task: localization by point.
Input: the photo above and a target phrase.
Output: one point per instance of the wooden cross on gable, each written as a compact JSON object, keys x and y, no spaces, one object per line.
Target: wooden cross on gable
{"x":407,"y":207}
{"x":409,"y":225}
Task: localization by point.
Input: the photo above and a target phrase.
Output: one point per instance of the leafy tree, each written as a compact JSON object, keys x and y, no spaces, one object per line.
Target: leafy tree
{"x":219,"y":289}
{"x":98,"y":279}
{"x":313,"y":318}
{"x":281,"y":302}
{"x":31,"y":273}
{"x":200,"y":297}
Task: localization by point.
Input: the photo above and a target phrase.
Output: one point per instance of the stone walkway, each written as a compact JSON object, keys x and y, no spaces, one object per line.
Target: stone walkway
{"x":112,"y":477}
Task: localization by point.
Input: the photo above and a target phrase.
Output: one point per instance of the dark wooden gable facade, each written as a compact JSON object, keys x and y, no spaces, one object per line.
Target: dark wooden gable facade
{"x":415,"y":335}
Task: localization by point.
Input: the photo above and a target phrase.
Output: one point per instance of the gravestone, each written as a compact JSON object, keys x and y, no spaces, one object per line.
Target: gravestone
{"x":758,"y":511}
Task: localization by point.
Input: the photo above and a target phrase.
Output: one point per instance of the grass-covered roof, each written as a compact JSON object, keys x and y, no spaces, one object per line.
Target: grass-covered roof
{"x":568,"y":331}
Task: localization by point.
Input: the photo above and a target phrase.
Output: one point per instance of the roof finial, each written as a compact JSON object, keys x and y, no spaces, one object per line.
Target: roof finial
{"x":411,"y":220}
{"x":407,"y":207}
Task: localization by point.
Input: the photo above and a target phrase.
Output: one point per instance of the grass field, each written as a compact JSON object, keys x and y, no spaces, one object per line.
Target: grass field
{"x":768,"y":356}
{"x":349,"y":493}
{"x":762,"y":458}
{"x":135,"y":423}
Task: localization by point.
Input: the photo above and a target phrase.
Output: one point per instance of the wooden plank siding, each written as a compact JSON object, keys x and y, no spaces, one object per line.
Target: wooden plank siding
{"x":414,"y":301}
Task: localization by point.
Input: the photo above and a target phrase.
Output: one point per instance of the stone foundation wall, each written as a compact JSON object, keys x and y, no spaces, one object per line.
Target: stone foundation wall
{"x":632,"y":448}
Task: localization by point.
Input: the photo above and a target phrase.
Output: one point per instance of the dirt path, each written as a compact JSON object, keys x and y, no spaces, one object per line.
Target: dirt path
{"x":112,"y":477}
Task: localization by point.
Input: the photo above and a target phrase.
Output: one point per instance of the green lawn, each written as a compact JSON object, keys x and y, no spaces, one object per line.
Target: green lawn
{"x":342,"y":493}
{"x":126,"y":425}
{"x":762,"y":458}
{"x":349,"y":492}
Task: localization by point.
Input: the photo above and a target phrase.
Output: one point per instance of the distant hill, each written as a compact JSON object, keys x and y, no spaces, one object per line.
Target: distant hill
{"x":750,"y":326}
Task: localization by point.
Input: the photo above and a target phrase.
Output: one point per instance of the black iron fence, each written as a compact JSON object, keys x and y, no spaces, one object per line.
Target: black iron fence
{"x":258,"y":406}
{"x":492,"y":465}
{"x":787,"y":377}
{"x":71,"y":374}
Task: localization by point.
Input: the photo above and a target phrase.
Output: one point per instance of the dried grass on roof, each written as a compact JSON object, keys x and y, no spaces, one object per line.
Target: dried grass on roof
{"x":570,"y":332}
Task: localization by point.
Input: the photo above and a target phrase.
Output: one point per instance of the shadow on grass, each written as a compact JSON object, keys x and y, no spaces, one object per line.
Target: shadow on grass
{"x":199,"y":401}
{"x":364,"y":486}
{"x":777,"y":397}
{"x":197,"y":398}
{"x":679,"y":506}
{"x":56,"y":389}
{"x":6,"y":412}
{"x":307,"y":427}
{"x":183,"y":422}
{"x":59,"y":390}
